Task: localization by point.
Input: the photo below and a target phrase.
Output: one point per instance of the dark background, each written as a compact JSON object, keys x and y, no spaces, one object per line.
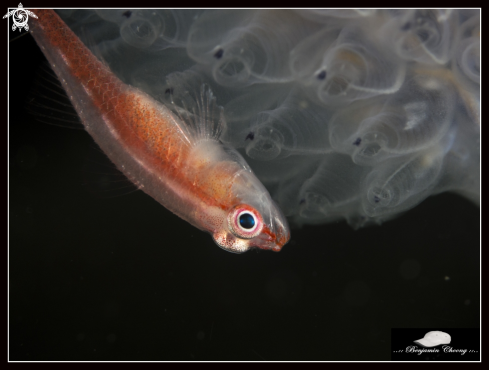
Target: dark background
{"x":124,"y":279}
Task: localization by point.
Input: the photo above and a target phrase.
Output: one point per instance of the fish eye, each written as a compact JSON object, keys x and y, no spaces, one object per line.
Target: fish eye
{"x":245,"y":221}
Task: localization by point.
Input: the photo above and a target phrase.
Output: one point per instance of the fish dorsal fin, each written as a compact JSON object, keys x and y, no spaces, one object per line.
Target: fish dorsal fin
{"x":196,"y":106}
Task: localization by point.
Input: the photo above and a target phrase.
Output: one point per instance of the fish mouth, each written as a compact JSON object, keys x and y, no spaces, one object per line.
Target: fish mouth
{"x":269,"y":242}
{"x":276,"y":235}
{"x":280,"y":227}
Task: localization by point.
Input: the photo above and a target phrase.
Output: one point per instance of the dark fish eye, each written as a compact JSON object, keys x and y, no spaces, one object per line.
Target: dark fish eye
{"x":247,"y":221}
{"x":218,"y":54}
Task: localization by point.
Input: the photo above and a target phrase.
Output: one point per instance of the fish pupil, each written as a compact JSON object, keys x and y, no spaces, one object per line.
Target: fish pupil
{"x":219,"y":53}
{"x":321,"y":75}
{"x":246,"y":221}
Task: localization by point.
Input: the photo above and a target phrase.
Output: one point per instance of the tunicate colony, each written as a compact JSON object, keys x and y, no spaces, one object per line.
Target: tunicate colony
{"x":354,"y":114}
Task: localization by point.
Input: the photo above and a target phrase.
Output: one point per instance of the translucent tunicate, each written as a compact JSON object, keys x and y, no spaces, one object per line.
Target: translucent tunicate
{"x":245,"y":47}
{"x":466,"y":65}
{"x":398,"y":124}
{"x":342,"y":114}
{"x":349,"y":64}
{"x":424,"y":36}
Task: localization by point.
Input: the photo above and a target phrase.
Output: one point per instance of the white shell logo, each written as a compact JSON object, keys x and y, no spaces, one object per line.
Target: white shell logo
{"x":20,"y":17}
{"x":434,"y":338}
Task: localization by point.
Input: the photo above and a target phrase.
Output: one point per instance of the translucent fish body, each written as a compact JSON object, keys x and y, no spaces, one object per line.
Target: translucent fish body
{"x":175,"y":157}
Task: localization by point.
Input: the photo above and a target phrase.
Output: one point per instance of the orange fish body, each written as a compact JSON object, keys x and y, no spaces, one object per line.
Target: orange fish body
{"x":175,"y":158}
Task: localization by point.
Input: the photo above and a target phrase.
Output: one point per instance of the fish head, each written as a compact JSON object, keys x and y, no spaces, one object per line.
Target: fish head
{"x":254,"y":220}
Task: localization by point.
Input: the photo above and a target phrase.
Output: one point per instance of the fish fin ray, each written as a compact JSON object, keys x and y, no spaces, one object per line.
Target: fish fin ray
{"x":195,"y":104}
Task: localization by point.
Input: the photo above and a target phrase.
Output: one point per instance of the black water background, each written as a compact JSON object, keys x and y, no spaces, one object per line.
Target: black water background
{"x":124,"y":279}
